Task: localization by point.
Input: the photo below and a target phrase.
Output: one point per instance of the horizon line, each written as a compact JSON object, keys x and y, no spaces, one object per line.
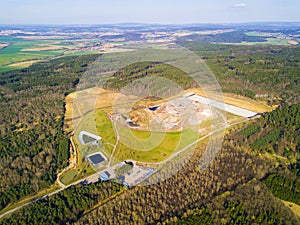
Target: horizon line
{"x":146,"y":23}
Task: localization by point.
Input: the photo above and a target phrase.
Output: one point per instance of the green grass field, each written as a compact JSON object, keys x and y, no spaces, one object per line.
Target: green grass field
{"x":81,"y":53}
{"x":87,"y":123}
{"x":69,"y":176}
{"x":104,"y":127}
{"x":23,"y":50}
{"x":146,"y":146}
{"x":73,"y":175}
{"x":161,"y":146}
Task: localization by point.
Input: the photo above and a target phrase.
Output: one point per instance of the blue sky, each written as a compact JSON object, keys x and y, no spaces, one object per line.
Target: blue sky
{"x":142,"y":11}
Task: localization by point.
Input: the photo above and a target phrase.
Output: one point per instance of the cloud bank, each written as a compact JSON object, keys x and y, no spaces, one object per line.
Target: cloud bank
{"x":240,"y":5}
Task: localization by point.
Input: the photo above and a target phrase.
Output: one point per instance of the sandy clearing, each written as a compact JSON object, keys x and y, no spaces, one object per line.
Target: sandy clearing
{"x":42,"y":37}
{"x":294,"y":207}
{"x":293,"y":42}
{"x":237,"y":100}
{"x":46,"y":48}
{"x":3,"y":45}
{"x":80,"y":102}
{"x":24,"y":64}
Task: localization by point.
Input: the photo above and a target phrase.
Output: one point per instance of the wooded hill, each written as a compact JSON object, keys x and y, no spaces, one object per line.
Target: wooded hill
{"x":33,"y":144}
{"x":254,"y":71}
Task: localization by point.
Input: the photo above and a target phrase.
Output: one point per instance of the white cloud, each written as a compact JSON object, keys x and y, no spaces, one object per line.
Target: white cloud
{"x":240,"y":5}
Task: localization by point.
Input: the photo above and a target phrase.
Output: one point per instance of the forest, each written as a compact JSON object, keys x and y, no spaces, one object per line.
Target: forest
{"x":33,"y":144}
{"x":275,"y":132}
{"x":238,"y":208}
{"x":67,"y":206}
{"x":261,"y":72}
{"x":226,"y":37}
{"x":139,"y":70}
{"x":285,"y":188}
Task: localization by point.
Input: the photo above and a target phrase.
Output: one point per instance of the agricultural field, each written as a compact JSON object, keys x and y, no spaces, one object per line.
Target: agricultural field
{"x":21,"y":52}
{"x":271,"y":39}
